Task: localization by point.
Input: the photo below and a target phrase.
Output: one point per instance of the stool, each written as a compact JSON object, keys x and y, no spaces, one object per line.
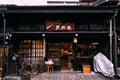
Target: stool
{"x":86,"y":68}
{"x":49,"y":68}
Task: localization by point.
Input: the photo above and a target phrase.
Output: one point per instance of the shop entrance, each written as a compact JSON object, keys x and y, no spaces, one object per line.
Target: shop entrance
{"x":60,"y":51}
{"x":66,"y":55}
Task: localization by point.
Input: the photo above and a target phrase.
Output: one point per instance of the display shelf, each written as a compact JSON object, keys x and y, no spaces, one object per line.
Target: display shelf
{"x":24,"y":47}
{"x":53,"y":54}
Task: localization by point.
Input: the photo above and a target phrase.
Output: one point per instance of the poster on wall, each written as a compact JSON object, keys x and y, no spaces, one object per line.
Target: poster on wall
{"x":59,"y":26}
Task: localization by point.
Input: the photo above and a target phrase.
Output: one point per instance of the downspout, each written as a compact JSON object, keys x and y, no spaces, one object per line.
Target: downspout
{"x":111,"y":33}
{"x":115,"y":43}
{"x":114,"y":46}
{"x":3,"y":12}
{"x":111,"y":39}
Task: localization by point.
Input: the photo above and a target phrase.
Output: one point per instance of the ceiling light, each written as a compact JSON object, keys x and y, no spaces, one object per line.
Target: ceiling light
{"x":95,"y":43}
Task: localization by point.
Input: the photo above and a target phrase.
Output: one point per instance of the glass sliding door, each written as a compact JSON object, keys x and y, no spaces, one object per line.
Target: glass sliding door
{"x":31,"y":49}
{"x":37,"y":49}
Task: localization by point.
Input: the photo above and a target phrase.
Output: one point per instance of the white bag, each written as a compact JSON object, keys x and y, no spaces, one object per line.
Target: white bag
{"x":103,"y":65}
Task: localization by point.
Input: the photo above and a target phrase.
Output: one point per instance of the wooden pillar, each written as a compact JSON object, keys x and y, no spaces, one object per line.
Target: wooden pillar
{"x":75,"y":52}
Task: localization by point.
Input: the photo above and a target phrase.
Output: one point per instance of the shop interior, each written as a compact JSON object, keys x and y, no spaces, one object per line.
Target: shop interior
{"x":86,"y":47}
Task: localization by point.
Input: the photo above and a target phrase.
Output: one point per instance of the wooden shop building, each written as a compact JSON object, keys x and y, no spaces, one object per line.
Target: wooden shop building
{"x":68,"y":35}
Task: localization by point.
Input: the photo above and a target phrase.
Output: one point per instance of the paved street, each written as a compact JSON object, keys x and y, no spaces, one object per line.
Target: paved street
{"x":72,"y":75}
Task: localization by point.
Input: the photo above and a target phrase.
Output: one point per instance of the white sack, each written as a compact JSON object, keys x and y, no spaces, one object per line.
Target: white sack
{"x":103,"y":65}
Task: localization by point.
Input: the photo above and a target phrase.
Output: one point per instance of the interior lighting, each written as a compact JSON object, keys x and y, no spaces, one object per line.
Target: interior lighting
{"x":75,"y":40}
{"x":76,"y":35}
{"x":43,"y":35}
{"x":95,"y":43}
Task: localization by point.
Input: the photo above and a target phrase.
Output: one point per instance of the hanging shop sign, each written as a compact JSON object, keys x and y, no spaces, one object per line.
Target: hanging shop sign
{"x":59,"y":26}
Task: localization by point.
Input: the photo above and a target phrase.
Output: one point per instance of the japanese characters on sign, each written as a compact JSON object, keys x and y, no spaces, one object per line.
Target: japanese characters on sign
{"x":59,"y":26}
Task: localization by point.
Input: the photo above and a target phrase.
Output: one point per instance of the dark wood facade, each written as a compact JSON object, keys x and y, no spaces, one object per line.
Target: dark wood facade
{"x":91,"y":24}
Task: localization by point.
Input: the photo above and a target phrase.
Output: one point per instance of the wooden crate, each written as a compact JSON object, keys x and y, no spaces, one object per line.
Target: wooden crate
{"x":86,"y":69}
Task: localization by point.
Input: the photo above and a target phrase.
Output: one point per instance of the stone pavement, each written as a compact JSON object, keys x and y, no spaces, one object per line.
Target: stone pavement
{"x":63,"y":75}
{"x":58,"y":75}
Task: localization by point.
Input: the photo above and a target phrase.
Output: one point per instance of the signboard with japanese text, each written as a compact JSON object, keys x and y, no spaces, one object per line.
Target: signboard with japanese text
{"x":59,"y":26}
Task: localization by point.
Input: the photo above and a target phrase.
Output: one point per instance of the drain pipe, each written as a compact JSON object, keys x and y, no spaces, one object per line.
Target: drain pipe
{"x":3,"y":11}
{"x":115,"y":45}
{"x":112,"y":35}
{"x":115,"y":41}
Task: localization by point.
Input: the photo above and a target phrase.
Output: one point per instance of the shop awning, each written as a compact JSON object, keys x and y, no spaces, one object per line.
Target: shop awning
{"x":60,"y":9}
